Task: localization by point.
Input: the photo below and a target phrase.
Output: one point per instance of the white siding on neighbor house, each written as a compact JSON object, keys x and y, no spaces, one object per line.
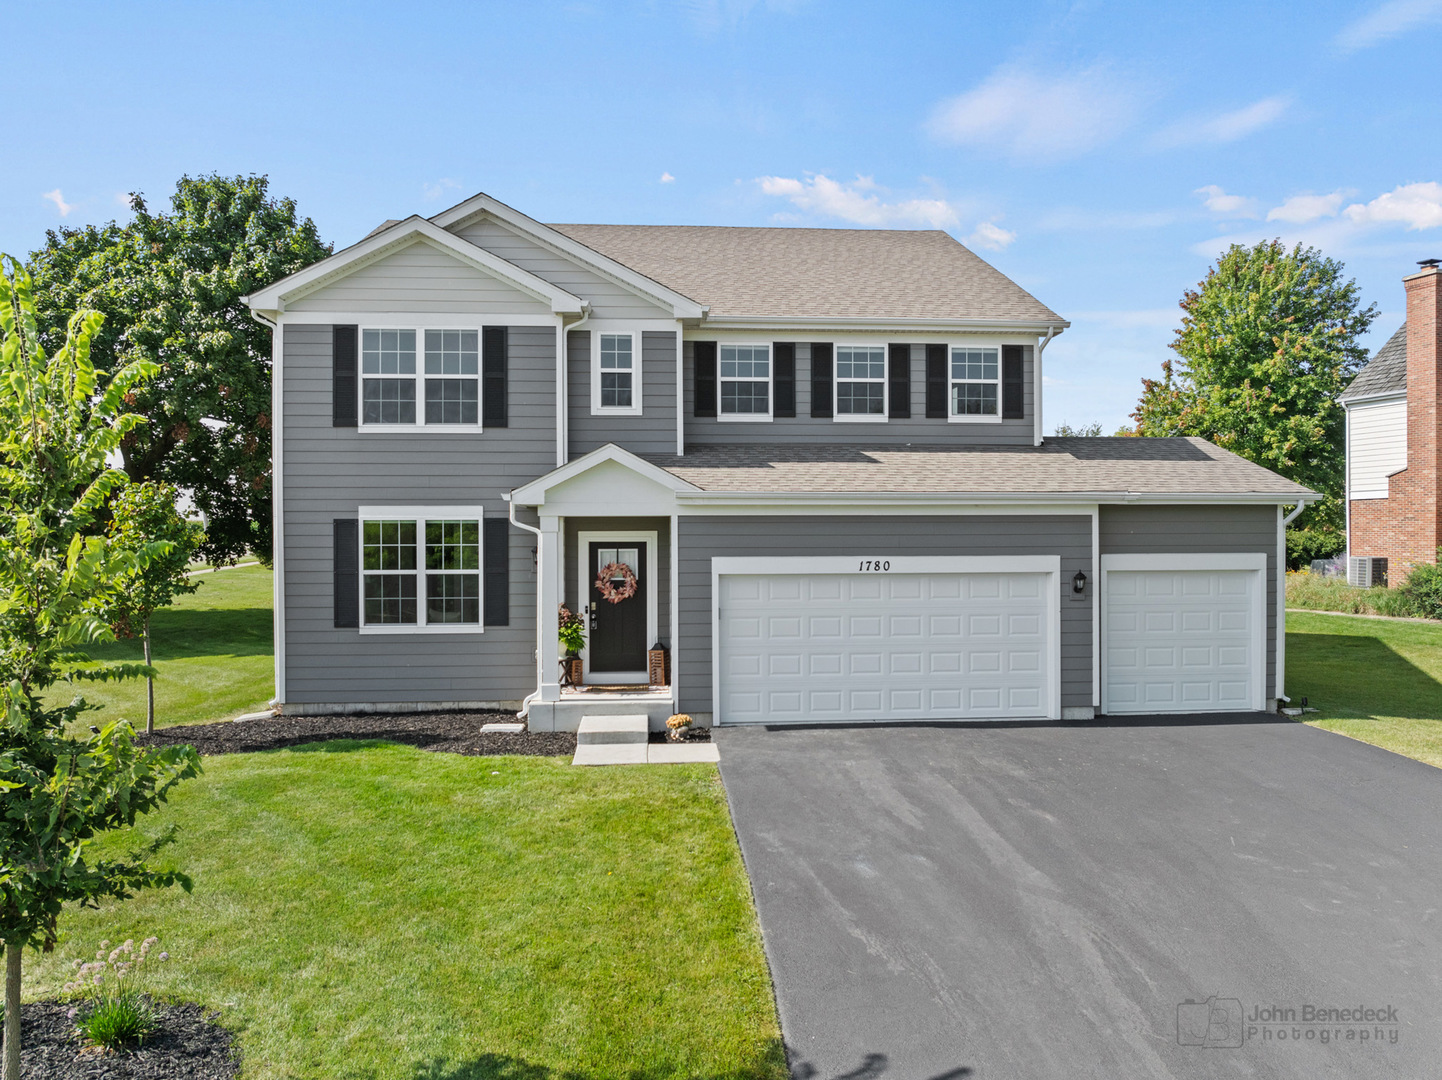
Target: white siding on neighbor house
{"x":1376,"y":447}
{"x":421,"y":278}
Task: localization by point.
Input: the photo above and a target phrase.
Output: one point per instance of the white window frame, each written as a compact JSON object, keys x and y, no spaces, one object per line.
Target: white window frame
{"x":420,"y":515}
{"x":637,"y":344}
{"x":860,"y":418}
{"x":748,"y":418}
{"x":972,"y":418}
{"x":419,"y":378}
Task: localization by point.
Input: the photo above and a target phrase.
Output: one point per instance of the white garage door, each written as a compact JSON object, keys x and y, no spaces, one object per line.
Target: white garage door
{"x":812,"y":648}
{"x":1182,"y":641}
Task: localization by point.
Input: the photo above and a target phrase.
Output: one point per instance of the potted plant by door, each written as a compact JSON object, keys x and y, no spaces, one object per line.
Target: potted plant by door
{"x":573,"y":640}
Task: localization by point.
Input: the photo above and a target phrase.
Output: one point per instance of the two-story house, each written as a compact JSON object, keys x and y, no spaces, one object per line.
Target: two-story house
{"x":808,"y":462}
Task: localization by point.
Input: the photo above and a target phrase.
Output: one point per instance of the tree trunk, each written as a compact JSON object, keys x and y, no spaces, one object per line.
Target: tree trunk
{"x":14,"y":953}
{"x":149,"y":684}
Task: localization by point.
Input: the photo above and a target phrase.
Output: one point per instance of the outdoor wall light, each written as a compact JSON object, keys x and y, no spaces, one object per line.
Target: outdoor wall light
{"x":1079,"y":583}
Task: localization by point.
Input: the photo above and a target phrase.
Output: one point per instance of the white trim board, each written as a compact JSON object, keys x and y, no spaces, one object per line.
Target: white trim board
{"x":648,"y":537}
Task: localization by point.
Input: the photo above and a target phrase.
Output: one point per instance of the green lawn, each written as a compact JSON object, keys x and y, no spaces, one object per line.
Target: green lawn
{"x":213,"y":650}
{"x":374,"y":911}
{"x":1372,"y":679}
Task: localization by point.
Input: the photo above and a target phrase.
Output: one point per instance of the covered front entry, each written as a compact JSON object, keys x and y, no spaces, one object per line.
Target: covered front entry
{"x":910,"y":639}
{"x":617,"y":626}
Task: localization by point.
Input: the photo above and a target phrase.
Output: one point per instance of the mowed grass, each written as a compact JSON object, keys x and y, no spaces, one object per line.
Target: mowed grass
{"x":212,"y":648}
{"x":369,"y":910}
{"x":1373,"y":679}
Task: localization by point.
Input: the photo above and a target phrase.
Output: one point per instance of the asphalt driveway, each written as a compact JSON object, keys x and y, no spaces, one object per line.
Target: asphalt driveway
{"x":1037,"y":901}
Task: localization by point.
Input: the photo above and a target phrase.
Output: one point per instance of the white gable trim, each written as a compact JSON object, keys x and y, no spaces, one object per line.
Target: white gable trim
{"x":413,"y":230}
{"x":534,"y":493}
{"x":481,"y":204}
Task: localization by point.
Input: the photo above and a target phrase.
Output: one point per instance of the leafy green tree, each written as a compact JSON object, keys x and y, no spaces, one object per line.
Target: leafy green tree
{"x":140,"y":515}
{"x":170,"y":288}
{"x":1084,"y":431}
{"x":1269,"y":340}
{"x":59,"y":419}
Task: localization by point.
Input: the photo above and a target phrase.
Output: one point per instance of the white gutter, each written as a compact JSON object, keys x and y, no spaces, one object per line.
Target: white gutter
{"x":961,"y":498}
{"x":563,"y":391}
{"x":1282,"y":523}
{"x":540,"y":622}
{"x":1051,"y":332}
{"x":277,"y":504}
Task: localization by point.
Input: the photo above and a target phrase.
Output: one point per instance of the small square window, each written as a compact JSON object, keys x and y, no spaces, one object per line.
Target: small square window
{"x":388,"y":352}
{"x":975,"y":381}
{"x":452,"y":401}
{"x":453,"y":598}
{"x":389,"y":545}
{"x":745,"y":376}
{"x":390,"y":599}
{"x":389,"y":401}
{"x":452,"y":352}
{"x":453,"y":545}
{"x":860,"y":380}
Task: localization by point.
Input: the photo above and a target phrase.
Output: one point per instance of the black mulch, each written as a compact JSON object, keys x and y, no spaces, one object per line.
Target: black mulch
{"x":696,"y":734}
{"x":451,"y":733}
{"x":188,"y":1043}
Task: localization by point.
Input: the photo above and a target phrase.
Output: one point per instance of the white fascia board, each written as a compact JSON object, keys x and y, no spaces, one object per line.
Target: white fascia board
{"x":694,"y":497}
{"x":415,"y":228}
{"x":1020,"y":327}
{"x":463,"y":213}
{"x":1374,"y":399}
{"x":534,"y":493}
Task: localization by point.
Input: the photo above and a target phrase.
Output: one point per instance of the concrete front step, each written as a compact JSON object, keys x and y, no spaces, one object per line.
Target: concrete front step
{"x":625,"y":728}
{"x":641,"y":754}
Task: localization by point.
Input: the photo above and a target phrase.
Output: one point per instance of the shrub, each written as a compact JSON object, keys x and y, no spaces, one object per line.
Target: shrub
{"x":571,"y":631}
{"x":113,"y":1010}
{"x":1304,"y":545}
{"x":1316,"y":593}
{"x":118,"y":1020}
{"x":1423,"y":588}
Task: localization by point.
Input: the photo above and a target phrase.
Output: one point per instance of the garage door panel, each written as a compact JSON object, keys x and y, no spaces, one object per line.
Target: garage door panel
{"x":1180,"y":641}
{"x":890,"y":650}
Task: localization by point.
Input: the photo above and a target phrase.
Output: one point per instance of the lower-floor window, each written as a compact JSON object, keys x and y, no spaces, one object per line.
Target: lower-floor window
{"x":407,"y":555}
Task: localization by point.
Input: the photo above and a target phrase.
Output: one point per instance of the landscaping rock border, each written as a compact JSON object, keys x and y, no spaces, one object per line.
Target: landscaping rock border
{"x":189,"y":1043}
{"x":445,"y":732}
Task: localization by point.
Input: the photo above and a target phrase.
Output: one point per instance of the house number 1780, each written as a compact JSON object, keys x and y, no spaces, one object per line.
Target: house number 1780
{"x":874,"y":565}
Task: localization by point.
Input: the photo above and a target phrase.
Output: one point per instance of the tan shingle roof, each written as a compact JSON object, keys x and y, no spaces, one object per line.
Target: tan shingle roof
{"x":1170,"y":466}
{"x":841,"y":273}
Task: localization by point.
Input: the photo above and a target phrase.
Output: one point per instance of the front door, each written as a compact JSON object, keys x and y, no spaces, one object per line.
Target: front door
{"x":618,"y":630}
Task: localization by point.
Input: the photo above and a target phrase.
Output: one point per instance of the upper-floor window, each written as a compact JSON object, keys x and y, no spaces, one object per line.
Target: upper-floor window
{"x":744,"y":373}
{"x":975,"y":382}
{"x":616,"y":374}
{"x":447,"y":386}
{"x":860,"y":382}
{"x":421,"y":571}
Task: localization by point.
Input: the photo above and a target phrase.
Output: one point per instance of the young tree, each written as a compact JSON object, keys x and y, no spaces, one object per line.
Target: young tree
{"x":140,"y":515}
{"x":1083,"y":431}
{"x":169,"y":286}
{"x":1267,"y":344}
{"x":58,"y":422}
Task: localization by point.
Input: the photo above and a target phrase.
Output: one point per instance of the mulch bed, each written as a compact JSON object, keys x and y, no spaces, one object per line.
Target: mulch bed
{"x":188,"y":1043}
{"x":450,"y":733}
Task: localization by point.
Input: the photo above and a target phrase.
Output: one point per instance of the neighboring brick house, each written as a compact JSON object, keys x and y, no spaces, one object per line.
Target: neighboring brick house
{"x":1394,"y":458}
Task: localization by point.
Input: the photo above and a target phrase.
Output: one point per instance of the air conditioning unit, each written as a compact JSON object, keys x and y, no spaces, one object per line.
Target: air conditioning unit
{"x":1364,"y":572}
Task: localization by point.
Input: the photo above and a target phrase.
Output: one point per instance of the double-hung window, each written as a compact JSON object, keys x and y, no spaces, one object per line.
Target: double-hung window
{"x":421,"y":569}
{"x":860,"y":382}
{"x":616,"y":374}
{"x":444,"y":392}
{"x":745,"y":375}
{"x":975,"y":382}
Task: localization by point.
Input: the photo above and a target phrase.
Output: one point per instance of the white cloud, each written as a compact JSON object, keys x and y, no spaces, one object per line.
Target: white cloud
{"x":122,"y":198}
{"x":1227,"y":206}
{"x":1417,"y":206}
{"x":1228,"y":126}
{"x":858,"y":202}
{"x":1300,"y":209}
{"x":1035,"y":116}
{"x":59,"y":201}
{"x":435,"y":191}
{"x":991,"y":236}
{"x":667,"y":178}
{"x":1389,"y":20}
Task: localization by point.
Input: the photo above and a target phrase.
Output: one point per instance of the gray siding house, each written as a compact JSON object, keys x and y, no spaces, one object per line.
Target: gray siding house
{"x":808,"y":463}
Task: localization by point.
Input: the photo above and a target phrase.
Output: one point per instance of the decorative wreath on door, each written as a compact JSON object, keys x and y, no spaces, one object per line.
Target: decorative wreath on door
{"x":616,"y":582}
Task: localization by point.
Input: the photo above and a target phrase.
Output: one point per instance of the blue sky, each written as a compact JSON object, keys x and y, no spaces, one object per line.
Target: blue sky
{"x":1100,"y":154}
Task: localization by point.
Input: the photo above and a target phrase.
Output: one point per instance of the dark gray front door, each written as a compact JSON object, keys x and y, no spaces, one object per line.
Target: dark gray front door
{"x":618,"y":631}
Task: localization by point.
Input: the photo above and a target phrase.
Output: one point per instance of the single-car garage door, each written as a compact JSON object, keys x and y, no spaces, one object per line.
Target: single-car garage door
{"x":1184,"y":639}
{"x":834,"y":647}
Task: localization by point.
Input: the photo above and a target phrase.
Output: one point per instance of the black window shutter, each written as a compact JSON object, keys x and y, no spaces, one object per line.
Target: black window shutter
{"x":898,"y":374}
{"x":936,"y":406}
{"x":821,"y":379}
{"x":704,"y":362}
{"x":497,"y":547}
{"x":345,"y":564}
{"x":783,"y":378}
{"x":495,"y":364}
{"x":343,"y":376}
{"x":1013,"y":405}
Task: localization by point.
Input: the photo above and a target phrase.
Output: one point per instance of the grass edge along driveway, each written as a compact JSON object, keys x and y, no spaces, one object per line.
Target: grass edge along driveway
{"x":1375,"y":680}
{"x":370,"y":910}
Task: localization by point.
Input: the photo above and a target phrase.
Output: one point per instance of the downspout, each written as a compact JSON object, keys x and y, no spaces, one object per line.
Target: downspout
{"x":1036,"y":385}
{"x":563,"y":380}
{"x":1282,"y":523}
{"x":277,"y":495}
{"x":511,"y":513}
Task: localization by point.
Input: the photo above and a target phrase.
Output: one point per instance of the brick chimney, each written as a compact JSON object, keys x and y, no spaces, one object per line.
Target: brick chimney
{"x":1422,"y":533}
